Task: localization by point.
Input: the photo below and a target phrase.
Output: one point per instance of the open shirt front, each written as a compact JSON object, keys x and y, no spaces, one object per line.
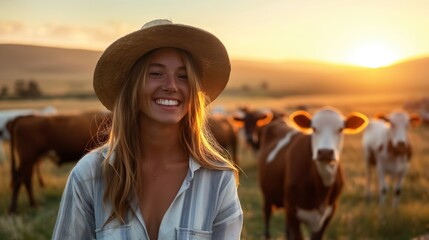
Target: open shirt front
{"x":206,"y":206}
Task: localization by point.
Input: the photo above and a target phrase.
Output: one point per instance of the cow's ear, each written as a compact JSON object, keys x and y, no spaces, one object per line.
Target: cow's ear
{"x":355,"y":123}
{"x":382,"y":116}
{"x":237,"y":118}
{"x":264,"y":118}
{"x":237,"y":121}
{"x":415,"y":119}
{"x":301,"y":120}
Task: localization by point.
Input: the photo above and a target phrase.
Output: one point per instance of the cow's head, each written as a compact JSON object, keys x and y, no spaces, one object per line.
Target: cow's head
{"x":251,"y":121}
{"x":327,"y":127}
{"x":399,"y":122}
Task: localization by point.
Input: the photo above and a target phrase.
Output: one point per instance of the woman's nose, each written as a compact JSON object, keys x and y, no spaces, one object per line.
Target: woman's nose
{"x":170,"y":84}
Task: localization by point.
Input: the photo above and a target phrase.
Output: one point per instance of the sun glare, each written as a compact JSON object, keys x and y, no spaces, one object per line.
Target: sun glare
{"x":373,"y":56}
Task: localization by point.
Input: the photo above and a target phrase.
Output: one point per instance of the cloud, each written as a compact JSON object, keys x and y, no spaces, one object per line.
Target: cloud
{"x":11,"y":27}
{"x":58,"y":34}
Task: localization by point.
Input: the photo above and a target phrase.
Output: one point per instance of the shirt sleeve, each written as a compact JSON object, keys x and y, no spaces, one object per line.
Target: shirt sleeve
{"x":229,"y":221}
{"x":76,"y":213}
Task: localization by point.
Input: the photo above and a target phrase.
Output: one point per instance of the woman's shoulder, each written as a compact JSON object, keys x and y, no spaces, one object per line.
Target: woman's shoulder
{"x":90,"y":165}
{"x":222,"y":175}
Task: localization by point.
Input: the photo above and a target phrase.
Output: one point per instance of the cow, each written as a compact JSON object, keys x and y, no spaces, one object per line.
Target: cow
{"x":9,"y":114}
{"x":300,"y":170}
{"x":223,"y":131}
{"x":66,"y":136}
{"x":387,"y":147}
{"x":252,"y":121}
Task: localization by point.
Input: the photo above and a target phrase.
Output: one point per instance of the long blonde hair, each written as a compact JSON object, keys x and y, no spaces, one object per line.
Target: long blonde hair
{"x":120,"y":175}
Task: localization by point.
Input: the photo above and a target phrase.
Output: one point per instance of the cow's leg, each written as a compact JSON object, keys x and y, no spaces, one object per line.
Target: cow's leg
{"x":382,"y":186}
{"x":367,"y":156}
{"x":399,"y":181}
{"x":319,"y":234}
{"x":397,"y":192}
{"x":293,"y":231}
{"x":28,"y":176}
{"x":39,"y":175}
{"x":267,"y":217}
{"x":15,"y":190}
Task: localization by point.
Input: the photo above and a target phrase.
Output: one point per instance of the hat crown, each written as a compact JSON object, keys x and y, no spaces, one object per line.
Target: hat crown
{"x":156,"y":22}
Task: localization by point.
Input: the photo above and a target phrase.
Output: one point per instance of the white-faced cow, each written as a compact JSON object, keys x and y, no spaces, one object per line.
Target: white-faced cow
{"x":387,"y":147}
{"x":69,"y":137}
{"x":302,"y":171}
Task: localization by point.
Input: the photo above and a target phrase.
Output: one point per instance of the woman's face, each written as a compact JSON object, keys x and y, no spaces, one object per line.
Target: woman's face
{"x":164,"y":98}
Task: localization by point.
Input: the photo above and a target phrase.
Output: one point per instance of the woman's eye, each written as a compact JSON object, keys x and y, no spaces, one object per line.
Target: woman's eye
{"x":155,"y":74}
{"x":183,"y":76}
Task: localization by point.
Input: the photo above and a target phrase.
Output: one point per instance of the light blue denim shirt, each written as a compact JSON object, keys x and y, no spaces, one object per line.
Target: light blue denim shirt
{"x":206,"y":207}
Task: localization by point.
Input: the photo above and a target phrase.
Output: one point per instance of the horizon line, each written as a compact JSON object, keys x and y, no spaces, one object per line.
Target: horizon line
{"x":249,"y":59}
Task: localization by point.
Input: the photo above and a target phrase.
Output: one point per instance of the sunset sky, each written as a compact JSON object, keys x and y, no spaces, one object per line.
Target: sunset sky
{"x":366,"y":32}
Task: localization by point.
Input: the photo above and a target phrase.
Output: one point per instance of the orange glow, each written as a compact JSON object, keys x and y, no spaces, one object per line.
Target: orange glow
{"x":374,"y":56}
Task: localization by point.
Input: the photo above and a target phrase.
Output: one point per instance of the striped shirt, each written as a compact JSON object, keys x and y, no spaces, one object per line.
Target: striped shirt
{"x":206,"y":207}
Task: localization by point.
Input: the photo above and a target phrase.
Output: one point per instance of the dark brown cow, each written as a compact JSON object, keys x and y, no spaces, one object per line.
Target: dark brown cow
{"x":252,"y":122}
{"x":68,"y":137}
{"x":224,"y":132}
{"x":302,"y":172}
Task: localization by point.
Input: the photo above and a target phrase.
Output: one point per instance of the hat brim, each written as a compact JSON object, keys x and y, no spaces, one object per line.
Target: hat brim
{"x":114,"y":66}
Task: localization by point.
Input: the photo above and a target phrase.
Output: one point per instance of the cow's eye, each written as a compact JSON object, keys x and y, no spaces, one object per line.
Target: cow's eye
{"x":314,"y":129}
{"x":340,"y":130}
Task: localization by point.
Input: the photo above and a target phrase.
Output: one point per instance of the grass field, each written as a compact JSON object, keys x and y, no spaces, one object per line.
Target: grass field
{"x":355,"y":219}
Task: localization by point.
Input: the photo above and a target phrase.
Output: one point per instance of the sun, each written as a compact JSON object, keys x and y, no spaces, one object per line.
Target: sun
{"x":373,"y":55}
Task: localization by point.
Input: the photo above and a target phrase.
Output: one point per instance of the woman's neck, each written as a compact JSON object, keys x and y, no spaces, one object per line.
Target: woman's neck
{"x":161,"y":143}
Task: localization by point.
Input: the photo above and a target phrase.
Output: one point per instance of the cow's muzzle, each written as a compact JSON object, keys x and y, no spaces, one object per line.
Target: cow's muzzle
{"x":325,"y":155}
{"x":401,"y":148}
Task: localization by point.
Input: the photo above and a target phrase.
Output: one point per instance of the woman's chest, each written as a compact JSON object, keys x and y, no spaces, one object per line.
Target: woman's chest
{"x":156,"y":196}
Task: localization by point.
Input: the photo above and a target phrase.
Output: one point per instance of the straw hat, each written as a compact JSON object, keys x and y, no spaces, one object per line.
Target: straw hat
{"x":116,"y":62}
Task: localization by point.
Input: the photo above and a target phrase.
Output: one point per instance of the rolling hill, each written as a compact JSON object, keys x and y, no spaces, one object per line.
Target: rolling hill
{"x":56,"y":70}
{"x":60,"y":70}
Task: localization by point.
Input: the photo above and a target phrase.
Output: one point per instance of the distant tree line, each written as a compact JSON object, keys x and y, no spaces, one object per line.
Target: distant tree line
{"x":263,"y":85}
{"x":22,"y":89}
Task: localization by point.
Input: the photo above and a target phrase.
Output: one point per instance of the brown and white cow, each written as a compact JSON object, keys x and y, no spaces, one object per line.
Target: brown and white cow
{"x":69,"y":137}
{"x":301,"y":171}
{"x":388,"y":148}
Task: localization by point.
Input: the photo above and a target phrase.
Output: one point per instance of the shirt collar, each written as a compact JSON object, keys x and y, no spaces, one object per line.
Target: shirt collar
{"x":193,"y":166}
{"x":104,"y":152}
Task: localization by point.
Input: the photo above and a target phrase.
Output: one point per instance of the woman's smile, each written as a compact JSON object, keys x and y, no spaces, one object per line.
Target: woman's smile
{"x":167,"y":102}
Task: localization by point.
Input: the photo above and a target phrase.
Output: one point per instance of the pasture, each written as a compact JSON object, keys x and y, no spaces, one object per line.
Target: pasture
{"x":354,"y":219}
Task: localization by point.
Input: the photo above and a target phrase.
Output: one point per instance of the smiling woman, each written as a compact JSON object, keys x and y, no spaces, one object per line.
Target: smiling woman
{"x":373,"y":55}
